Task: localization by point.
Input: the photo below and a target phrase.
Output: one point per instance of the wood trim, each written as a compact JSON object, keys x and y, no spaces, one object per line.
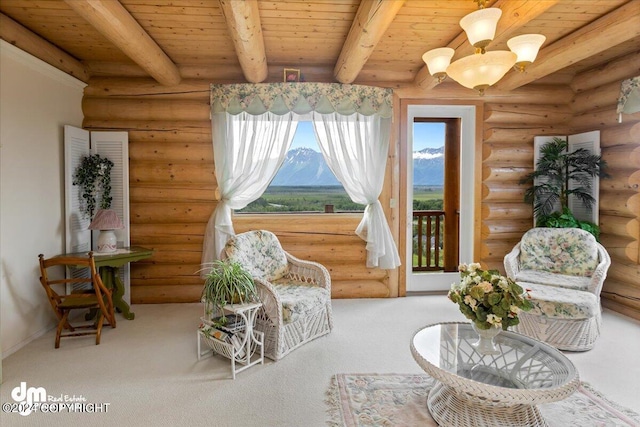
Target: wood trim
{"x":614,"y":28}
{"x":369,"y":25}
{"x":243,"y":22}
{"x":17,"y":35}
{"x":451,"y":202}
{"x":114,"y":22}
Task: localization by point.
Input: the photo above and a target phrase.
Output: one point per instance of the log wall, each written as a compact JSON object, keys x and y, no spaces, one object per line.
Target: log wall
{"x":173,"y":186}
{"x":594,"y":108}
{"x":171,"y":177}
{"x":507,"y":156}
{"x":173,"y":192}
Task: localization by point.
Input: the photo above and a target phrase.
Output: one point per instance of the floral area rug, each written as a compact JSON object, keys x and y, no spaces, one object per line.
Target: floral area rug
{"x":358,"y":400}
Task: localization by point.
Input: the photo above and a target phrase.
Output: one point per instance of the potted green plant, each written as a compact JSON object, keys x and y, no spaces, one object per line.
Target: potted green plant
{"x":93,"y":175}
{"x":491,"y":301}
{"x":557,"y":169}
{"x":227,"y":282}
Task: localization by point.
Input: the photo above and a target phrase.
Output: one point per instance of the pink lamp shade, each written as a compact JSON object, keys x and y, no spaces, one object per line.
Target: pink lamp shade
{"x":106,"y":220}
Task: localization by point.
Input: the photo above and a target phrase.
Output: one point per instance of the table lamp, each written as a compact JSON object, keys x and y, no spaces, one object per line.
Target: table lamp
{"x":106,"y":220}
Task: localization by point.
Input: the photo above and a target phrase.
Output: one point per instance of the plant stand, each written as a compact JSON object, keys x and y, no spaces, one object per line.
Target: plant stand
{"x":240,"y":344}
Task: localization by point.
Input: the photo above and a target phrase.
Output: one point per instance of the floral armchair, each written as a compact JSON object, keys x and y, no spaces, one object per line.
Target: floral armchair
{"x":564,"y":269}
{"x":296,"y":294}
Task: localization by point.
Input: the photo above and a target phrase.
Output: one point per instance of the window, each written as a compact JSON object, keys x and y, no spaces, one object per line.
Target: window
{"x":304,"y":182}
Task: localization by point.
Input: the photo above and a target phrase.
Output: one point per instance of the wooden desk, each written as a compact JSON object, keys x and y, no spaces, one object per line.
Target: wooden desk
{"x":108,"y":265}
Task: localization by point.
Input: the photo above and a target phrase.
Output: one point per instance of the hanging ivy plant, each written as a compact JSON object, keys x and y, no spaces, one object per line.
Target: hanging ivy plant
{"x":93,"y":175}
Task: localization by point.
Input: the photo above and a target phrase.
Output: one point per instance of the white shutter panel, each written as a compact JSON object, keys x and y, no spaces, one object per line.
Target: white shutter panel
{"x":78,"y":235}
{"x":590,"y":141}
{"x":538,"y":142}
{"x":76,"y":146}
{"x":115,"y":147}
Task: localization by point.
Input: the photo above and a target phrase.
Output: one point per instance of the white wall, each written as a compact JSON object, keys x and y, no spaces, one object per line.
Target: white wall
{"x":36,"y":101}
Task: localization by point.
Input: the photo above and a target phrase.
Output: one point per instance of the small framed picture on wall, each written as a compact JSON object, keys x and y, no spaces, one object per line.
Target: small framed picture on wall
{"x":291,"y":75}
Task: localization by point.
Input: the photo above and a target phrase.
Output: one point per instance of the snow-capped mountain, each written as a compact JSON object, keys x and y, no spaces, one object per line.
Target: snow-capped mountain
{"x":428,"y":166}
{"x":305,"y":166}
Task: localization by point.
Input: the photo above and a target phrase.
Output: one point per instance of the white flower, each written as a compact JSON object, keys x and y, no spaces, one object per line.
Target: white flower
{"x":486,"y":287}
{"x":474,"y":266}
{"x":514,"y":310}
{"x":494,"y":320}
{"x":470,"y":302}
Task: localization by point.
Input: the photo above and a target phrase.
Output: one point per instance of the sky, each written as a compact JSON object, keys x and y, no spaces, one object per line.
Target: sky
{"x":425,"y":135}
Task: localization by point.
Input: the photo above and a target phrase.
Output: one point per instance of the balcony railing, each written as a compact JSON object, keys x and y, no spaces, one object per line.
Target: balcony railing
{"x":428,"y":230}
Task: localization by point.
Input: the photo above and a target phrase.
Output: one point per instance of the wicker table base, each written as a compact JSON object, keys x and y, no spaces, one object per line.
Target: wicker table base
{"x":449,"y":409}
{"x":482,"y":389}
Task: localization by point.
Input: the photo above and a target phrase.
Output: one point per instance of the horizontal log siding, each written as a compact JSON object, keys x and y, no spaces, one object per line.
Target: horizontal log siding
{"x":173,"y":191}
{"x":507,"y":156}
{"x":171,"y":177}
{"x":594,"y":108}
{"x":329,"y":240}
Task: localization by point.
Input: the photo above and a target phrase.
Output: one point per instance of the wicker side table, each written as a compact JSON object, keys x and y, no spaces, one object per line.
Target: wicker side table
{"x":247,"y":343}
{"x":478,"y":390}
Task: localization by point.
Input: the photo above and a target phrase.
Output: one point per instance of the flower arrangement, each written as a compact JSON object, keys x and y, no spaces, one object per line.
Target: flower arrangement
{"x":487,"y":298}
{"x":93,"y":175}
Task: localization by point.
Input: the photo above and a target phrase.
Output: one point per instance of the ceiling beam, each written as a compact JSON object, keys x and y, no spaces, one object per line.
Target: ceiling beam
{"x":369,"y":25}
{"x":30,"y":42}
{"x":616,"y":27}
{"x":115,"y":23}
{"x":515,"y":14}
{"x":243,"y":21}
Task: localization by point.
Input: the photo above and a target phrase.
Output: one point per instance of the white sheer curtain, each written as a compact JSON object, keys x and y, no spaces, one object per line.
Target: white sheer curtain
{"x":355,"y":147}
{"x":248,"y":151}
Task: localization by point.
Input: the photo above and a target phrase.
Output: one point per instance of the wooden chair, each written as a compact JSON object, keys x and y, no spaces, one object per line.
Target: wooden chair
{"x":97,"y":298}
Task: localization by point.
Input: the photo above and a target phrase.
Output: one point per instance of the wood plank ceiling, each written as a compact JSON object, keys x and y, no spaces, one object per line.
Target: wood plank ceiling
{"x":363,"y":41}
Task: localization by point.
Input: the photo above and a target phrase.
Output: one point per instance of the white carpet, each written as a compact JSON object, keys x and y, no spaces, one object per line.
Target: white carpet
{"x":148,"y":372}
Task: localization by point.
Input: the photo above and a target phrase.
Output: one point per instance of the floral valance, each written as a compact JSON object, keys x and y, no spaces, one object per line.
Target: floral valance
{"x":301,"y":98}
{"x":629,"y":99}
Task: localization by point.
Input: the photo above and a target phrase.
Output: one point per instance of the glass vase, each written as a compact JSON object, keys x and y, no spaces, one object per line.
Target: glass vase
{"x":486,"y":340}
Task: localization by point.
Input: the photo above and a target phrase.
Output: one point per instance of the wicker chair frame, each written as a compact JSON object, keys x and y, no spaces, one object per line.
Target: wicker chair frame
{"x":281,"y":338}
{"x":564,"y":334}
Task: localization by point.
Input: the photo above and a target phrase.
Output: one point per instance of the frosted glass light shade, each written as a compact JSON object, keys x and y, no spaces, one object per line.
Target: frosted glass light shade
{"x":526,"y":47}
{"x":438,"y":60}
{"x":481,"y":71}
{"x":480,"y":26}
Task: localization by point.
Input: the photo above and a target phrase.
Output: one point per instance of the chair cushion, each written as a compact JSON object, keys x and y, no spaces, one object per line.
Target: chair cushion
{"x":560,"y":303}
{"x":552,"y":279}
{"x":73,"y":302}
{"x":299,"y":299}
{"x":569,"y":251}
{"x":260,"y":253}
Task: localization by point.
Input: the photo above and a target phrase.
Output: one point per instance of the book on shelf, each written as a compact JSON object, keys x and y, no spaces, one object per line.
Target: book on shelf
{"x":234,"y":323}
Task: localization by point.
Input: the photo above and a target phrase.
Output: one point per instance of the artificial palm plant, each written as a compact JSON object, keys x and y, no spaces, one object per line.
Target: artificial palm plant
{"x":562,"y":174}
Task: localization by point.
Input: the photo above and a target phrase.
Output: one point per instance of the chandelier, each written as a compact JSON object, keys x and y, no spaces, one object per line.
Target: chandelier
{"x":483,"y":68}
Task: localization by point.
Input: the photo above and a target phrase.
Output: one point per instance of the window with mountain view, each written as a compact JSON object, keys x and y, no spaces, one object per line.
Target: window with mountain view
{"x":304,"y":182}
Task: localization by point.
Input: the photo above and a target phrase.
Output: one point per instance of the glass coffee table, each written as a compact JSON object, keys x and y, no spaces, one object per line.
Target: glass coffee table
{"x":490,"y":390}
